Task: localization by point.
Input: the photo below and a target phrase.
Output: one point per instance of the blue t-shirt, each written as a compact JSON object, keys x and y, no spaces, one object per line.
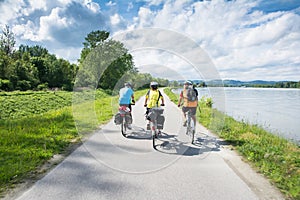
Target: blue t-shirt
{"x":125,"y":95}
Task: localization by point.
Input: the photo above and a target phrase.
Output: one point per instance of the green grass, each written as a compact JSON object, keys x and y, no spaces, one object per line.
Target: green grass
{"x":23,"y":104}
{"x":275,"y":157}
{"x":34,"y":126}
{"x":27,"y":143}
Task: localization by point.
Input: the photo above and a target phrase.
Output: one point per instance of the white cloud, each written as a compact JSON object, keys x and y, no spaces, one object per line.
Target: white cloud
{"x":94,"y":7}
{"x":54,"y":24}
{"x":26,"y":31}
{"x":150,"y":61}
{"x":236,"y":37}
{"x":156,"y":2}
{"x":72,"y":53}
{"x":111,"y":4}
{"x":270,"y":32}
{"x":115,"y":19}
{"x":37,"y":5}
{"x":242,"y":41}
{"x":10,"y":10}
{"x":145,"y":17}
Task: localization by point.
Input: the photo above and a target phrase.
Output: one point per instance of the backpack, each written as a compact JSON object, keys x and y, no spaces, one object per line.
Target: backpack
{"x":191,"y":94}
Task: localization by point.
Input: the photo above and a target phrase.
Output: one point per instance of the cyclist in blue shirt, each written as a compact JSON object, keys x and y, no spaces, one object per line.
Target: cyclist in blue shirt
{"x":126,"y":96}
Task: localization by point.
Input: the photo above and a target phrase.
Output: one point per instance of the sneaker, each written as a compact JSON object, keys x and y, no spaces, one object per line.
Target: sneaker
{"x":129,"y":126}
{"x":184,"y":123}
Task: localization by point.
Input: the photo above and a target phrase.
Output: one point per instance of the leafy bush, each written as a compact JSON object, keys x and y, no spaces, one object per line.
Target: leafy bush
{"x":5,"y":85}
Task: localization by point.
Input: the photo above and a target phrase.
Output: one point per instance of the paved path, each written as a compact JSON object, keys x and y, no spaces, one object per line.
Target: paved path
{"x":109,"y":166}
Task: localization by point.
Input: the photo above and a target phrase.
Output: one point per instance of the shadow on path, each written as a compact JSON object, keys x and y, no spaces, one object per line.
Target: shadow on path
{"x":169,"y":143}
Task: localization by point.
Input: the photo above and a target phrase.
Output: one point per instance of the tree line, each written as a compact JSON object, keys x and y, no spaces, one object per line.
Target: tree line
{"x":34,"y":68}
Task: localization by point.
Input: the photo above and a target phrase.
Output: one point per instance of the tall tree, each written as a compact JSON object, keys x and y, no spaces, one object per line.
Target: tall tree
{"x":103,"y":61}
{"x":7,"y":40}
{"x":93,"y":39}
{"x":35,"y":51}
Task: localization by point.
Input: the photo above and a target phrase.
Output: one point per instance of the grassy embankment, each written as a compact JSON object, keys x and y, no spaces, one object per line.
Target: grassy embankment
{"x":34,"y":126}
{"x":275,"y":157}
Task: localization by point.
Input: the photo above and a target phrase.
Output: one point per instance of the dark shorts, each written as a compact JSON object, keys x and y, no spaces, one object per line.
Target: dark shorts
{"x":192,"y":109}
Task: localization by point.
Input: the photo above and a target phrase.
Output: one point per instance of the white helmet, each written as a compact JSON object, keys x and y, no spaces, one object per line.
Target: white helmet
{"x":154,"y":85}
{"x":127,"y":84}
{"x":188,"y":82}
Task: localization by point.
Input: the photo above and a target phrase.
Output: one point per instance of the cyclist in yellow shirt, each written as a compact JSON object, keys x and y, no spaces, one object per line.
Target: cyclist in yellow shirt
{"x":152,"y":98}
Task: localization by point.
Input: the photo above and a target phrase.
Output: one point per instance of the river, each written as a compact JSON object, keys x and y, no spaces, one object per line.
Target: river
{"x":276,"y":110}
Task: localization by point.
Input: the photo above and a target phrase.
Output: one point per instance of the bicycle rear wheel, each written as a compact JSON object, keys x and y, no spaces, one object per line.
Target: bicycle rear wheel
{"x":123,"y":127}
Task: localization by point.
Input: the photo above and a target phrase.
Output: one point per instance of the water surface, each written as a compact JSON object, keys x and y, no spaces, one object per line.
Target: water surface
{"x":276,"y":110}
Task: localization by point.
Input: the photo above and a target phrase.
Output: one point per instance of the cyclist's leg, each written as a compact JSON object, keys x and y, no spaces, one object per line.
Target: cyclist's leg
{"x":148,"y":119}
{"x":184,"y":110}
{"x":193,"y":114}
{"x":130,"y":107}
{"x":128,"y":124}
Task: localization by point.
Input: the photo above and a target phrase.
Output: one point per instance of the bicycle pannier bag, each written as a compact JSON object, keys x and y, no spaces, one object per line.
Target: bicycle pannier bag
{"x":118,"y":119}
{"x":160,"y":121}
{"x":128,"y":119}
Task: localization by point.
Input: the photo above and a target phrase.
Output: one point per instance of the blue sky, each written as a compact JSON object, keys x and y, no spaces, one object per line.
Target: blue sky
{"x":245,"y":39}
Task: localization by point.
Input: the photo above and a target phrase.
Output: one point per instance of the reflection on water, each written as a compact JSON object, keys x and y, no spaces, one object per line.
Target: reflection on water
{"x":276,"y":110}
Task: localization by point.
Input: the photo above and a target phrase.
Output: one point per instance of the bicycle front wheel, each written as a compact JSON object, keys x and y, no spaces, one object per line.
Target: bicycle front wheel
{"x":153,"y":133}
{"x":192,"y":131}
{"x":153,"y":141}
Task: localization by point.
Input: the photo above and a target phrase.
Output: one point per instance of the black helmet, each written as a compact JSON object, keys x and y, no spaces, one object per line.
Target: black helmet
{"x":154,"y":85}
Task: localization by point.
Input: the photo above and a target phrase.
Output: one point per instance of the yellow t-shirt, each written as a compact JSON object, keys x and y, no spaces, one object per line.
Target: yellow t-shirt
{"x":153,"y":97}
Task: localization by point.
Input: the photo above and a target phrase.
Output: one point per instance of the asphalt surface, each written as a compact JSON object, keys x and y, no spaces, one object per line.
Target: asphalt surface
{"x":110,"y":166}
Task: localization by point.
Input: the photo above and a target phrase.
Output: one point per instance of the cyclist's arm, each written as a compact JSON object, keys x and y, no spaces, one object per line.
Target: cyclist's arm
{"x":146,"y":98}
{"x":132,"y":96}
{"x":180,"y":98}
{"x":161,"y":98}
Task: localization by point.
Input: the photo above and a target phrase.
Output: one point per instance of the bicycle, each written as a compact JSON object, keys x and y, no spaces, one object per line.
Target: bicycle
{"x":190,"y":126}
{"x":156,"y":125}
{"x":123,"y":118}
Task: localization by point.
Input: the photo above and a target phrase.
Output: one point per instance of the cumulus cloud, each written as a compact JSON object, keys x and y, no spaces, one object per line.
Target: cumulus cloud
{"x":236,"y":36}
{"x":56,"y":25}
{"x":244,"y":39}
{"x":10,"y":10}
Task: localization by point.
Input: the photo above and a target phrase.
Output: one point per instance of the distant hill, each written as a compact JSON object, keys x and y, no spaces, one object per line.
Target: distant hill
{"x":254,"y":83}
{"x":235,"y":83}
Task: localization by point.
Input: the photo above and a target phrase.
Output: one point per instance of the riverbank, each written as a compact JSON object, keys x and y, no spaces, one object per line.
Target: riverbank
{"x":275,"y":157}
